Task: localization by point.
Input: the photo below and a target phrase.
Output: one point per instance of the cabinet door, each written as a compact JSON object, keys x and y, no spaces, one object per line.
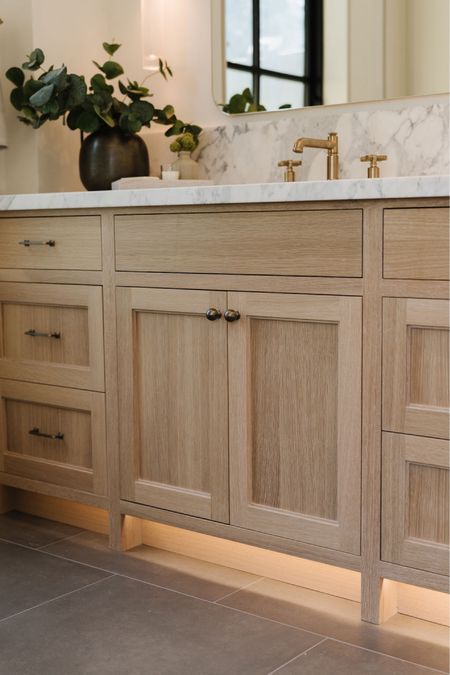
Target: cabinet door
{"x":173,"y":401}
{"x":416,"y":367}
{"x":295,"y":417}
{"x":416,"y":502}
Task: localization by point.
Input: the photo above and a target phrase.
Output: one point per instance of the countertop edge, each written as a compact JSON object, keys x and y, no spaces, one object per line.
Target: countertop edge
{"x":410,"y":187}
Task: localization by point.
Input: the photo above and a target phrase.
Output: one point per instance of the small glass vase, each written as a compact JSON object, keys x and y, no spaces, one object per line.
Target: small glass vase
{"x":187,"y":167}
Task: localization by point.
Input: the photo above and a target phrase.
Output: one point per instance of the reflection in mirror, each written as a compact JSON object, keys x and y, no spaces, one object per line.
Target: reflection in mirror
{"x":272,"y":54}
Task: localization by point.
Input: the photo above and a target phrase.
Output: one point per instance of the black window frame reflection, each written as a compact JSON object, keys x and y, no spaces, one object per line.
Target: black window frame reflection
{"x":313,"y":76}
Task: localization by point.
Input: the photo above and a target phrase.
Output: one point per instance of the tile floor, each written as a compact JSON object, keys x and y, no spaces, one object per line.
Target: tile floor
{"x":70,"y":606}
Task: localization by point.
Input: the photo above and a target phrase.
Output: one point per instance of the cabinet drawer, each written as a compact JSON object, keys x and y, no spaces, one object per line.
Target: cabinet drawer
{"x":416,"y":243}
{"x":297,"y":243}
{"x":53,"y":243}
{"x":415,"y":493}
{"x":54,"y":435}
{"x":52,"y":334}
{"x":416,"y":366}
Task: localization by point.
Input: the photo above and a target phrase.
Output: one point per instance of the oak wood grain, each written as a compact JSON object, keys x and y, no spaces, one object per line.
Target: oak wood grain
{"x":315,"y":243}
{"x":77,"y":243}
{"x":416,"y":243}
{"x":75,"y":312}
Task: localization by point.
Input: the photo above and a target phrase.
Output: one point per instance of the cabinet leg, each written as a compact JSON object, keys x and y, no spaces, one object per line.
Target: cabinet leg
{"x":6,"y":500}
{"x":378,"y":599}
{"x":125,"y":532}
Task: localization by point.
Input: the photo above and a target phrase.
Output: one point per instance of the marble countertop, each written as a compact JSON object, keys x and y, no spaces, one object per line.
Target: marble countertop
{"x":381,"y":188}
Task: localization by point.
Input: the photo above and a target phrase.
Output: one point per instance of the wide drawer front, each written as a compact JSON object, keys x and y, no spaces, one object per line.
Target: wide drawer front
{"x":416,"y":243}
{"x":52,"y":243}
{"x":53,"y":435}
{"x":52,"y":334}
{"x":296,"y":243}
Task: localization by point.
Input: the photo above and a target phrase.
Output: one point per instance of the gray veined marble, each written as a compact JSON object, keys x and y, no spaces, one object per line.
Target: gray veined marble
{"x":416,"y":139}
{"x":384,"y":188}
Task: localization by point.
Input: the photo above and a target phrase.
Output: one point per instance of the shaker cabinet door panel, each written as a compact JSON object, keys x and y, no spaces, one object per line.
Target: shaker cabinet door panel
{"x":416,"y":367}
{"x":295,"y":417}
{"x":415,"y":509}
{"x":173,"y":401}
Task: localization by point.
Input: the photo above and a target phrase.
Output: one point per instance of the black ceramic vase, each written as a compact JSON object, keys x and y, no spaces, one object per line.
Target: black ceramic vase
{"x":110,"y":154}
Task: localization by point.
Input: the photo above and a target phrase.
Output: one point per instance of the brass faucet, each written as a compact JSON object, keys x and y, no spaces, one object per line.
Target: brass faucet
{"x":333,"y":151}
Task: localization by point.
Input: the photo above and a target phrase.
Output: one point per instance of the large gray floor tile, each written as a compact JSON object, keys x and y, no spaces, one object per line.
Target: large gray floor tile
{"x":334,"y":658}
{"x":123,"y":626}
{"x":404,"y":637}
{"x":155,"y":566}
{"x":21,"y":528}
{"x":29,"y":577}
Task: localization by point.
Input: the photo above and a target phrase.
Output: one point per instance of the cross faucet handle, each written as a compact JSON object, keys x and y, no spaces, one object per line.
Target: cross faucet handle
{"x":373,"y":170}
{"x":289,"y":174}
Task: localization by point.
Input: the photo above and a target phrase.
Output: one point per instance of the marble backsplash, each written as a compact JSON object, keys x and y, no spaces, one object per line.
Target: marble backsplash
{"x":415,"y":138}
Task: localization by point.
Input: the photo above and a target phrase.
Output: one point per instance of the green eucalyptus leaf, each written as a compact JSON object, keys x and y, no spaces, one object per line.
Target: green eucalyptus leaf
{"x":73,"y":117}
{"x":35,"y":60}
{"x":130,"y":123}
{"x":75,"y":92}
{"x":88,"y":122}
{"x":17,"y":98}
{"x":51,"y":108}
{"x":29,"y":116}
{"x":169,"y":111}
{"x":112,"y":69}
{"x":176,"y":129}
{"x":104,"y":116}
{"x":56,"y":77}
{"x":193,"y":129}
{"x":122,"y":88}
{"x":111,"y":48}
{"x":237,"y":104}
{"x":16,"y":76}
{"x":99,"y":84}
{"x":31,"y":87}
{"x":43,"y":96}
{"x":119,"y":107}
{"x":143,"y":110}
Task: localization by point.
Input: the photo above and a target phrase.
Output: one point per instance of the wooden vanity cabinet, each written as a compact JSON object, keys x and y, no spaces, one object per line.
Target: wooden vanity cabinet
{"x":315,"y":422}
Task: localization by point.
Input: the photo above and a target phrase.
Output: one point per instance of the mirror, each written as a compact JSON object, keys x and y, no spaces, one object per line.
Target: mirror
{"x":275,"y":54}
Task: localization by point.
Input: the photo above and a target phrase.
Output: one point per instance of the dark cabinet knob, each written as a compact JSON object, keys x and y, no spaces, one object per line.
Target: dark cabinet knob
{"x":232,"y":315}
{"x":213,"y":314}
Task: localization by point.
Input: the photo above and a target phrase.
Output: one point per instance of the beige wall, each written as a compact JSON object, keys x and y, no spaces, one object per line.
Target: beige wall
{"x":18,"y":164}
{"x":428,"y":46}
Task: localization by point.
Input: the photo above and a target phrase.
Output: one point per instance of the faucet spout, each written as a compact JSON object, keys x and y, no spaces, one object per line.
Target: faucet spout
{"x":330,"y":144}
{"x":302,"y":143}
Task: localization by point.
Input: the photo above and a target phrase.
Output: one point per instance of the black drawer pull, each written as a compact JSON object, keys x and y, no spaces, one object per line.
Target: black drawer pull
{"x":30,"y":242}
{"x":54,"y":437}
{"x":35,"y":333}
